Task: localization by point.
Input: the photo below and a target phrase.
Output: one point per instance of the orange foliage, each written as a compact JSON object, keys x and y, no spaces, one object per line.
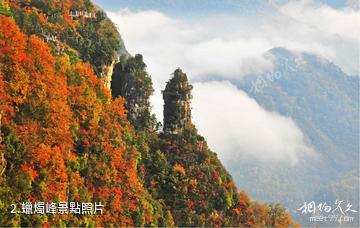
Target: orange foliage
{"x":64,"y":115}
{"x":51,"y":164}
{"x":12,"y":63}
{"x":179,"y":169}
{"x":29,"y":170}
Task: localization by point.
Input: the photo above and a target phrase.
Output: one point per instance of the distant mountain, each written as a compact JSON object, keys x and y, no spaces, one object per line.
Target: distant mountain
{"x":324,"y":102}
{"x":309,"y":89}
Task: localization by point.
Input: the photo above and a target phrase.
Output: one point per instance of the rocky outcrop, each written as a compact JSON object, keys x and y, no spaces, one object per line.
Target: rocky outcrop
{"x":131,"y":81}
{"x":177,"y":96}
{"x":107,"y":72}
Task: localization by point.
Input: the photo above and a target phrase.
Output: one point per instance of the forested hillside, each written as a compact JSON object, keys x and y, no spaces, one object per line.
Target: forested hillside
{"x":66,"y":137}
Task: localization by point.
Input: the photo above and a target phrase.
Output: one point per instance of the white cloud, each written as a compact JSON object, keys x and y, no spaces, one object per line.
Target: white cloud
{"x":168,"y":43}
{"x":235,"y":126}
{"x":228,"y":58}
{"x":341,"y":22}
{"x":336,"y":32}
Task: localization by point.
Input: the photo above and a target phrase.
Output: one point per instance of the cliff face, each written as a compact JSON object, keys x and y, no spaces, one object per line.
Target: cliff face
{"x":107,"y":72}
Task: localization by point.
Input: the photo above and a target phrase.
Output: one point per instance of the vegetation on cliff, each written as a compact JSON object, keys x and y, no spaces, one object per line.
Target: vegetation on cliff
{"x":64,"y":138}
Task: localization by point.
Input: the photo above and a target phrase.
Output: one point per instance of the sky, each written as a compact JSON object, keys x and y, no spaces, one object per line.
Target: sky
{"x":228,"y":39}
{"x":111,"y":5}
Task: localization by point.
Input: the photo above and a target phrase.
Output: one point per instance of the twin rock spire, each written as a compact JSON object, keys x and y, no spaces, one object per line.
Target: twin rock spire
{"x":131,"y":81}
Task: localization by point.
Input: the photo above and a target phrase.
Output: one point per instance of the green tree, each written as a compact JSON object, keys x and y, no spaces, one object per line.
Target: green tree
{"x":131,"y":81}
{"x":177,"y":111}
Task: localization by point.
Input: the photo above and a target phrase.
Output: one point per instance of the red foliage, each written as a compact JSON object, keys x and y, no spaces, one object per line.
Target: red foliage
{"x":29,"y":170}
{"x":216,"y":174}
{"x":52,"y":165}
{"x":191,"y":204}
{"x":53,"y":107}
{"x":242,"y":202}
{"x":237,"y":212}
{"x":46,"y":224}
